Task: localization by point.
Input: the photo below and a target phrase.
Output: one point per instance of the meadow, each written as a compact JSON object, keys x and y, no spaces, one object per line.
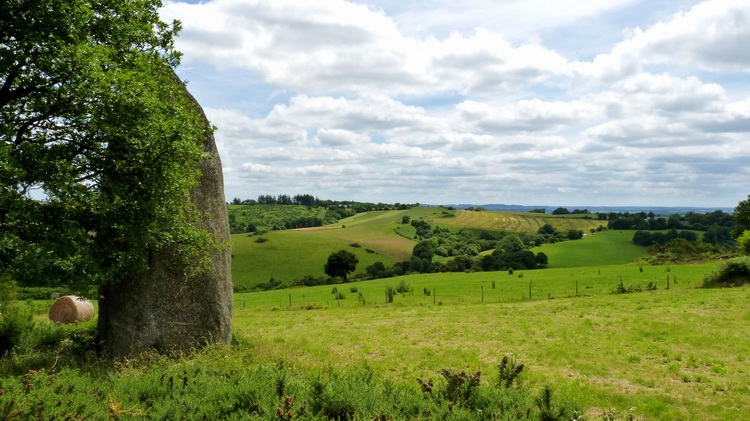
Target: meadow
{"x":676,"y":353}
{"x":600,"y":248}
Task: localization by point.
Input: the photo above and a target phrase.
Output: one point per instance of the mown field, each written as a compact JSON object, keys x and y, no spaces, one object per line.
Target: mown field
{"x":677,"y":353}
{"x":519,"y":221}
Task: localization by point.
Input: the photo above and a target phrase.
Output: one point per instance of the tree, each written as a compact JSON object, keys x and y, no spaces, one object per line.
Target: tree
{"x":424,"y":250}
{"x":541,"y":259}
{"x":743,"y":242}
{"x":547,"y":229}
{"x":742,"y":213}
{"x":109,"y":171}
{"x":340,"y":264}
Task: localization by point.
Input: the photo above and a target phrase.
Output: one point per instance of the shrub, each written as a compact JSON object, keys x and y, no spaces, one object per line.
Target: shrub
{"x":734,"y":272}
{"x":390,"y":292}
{"x":460,"y":386}
{"x":261,"y":240}
{"x":15,"y":321}
{"x":508,"y":373}
{"x":622,"y":289}
{"x":7,"y":292}
{"x":403,"y":287}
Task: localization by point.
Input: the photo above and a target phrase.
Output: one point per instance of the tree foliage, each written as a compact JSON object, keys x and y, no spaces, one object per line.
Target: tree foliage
{"x":743,"y":242}
{"x":98,"y":144}
{"x":742,"y":213}
{"x":340,"y":264}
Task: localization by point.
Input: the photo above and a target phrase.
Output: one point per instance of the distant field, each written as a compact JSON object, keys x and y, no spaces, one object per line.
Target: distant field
{"x":663,"y":354}
{"x":601,"y":248}
{"x":292,"y":254}
{"x":519,"y":221}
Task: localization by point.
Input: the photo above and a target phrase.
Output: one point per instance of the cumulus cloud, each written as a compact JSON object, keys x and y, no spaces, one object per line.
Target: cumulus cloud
{"x":383,"y":101}
{"x":711,"y":36}
{"x":338,"y":46}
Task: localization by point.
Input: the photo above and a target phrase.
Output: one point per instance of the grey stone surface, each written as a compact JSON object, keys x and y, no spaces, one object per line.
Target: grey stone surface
{"x":164,"y":310}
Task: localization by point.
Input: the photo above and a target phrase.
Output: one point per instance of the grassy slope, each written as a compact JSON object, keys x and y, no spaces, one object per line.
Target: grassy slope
{"x":292,"y":254}
{"x":677,"y":353}
{"x":601,"y":248}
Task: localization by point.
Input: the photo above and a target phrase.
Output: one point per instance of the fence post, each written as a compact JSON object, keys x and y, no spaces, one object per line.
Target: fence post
{"x":482,"y":293}
{"x":529,"y":290}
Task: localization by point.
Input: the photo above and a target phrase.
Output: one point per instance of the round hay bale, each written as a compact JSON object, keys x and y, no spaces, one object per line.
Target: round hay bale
{"x":71,"y":309}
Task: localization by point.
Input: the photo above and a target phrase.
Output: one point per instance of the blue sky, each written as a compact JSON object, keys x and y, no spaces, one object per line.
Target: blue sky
{"x":530,"y":102}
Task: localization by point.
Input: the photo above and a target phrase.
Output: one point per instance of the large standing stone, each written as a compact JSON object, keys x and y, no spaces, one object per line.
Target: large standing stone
{"x":163,"y":309}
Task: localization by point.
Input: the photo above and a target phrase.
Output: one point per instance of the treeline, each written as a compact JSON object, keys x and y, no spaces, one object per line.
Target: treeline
{"x":666,"y":244}
{"x":282,"y":212}
{"x":690,"y":221}
{"x":313,"y":202}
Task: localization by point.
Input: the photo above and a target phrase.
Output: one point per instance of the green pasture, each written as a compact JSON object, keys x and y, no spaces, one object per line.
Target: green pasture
{"x":677,"y":353}
{"x":477,"y":287}
{"x":600,"y":248}
{"x":293,"y":254}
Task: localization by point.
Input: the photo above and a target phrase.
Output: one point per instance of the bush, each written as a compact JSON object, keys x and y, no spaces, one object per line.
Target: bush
{"x":7,"y":292}
{"x":15,"y":321}
{"x":734,"y":272}
{"x":508,"y":373}
{"x":390,"y":292}
{"x":403,"y":287}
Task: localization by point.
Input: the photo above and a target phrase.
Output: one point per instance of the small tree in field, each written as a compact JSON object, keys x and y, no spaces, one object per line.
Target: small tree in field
{"x":340,"y":264}
{"x":743,"y":242}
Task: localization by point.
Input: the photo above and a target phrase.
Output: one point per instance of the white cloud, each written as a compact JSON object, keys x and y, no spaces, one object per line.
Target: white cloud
{"x":712,"y":36}
{"x":445,"y":102}
{"x":337,"y":46}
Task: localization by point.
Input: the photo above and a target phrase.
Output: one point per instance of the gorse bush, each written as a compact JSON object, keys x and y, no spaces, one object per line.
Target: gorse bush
{"x":509,"y":373}
{"x":218,"y":383}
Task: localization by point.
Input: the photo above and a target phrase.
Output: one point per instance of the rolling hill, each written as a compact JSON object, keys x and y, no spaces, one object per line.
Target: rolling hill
{"x":286,"y":255}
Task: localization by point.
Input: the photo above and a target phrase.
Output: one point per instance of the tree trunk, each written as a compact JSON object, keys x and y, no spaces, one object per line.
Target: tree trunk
{"x":163,"y":309}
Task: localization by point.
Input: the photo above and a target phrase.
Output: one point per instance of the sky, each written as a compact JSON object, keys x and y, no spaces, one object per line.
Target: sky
{"x":530,"y":102}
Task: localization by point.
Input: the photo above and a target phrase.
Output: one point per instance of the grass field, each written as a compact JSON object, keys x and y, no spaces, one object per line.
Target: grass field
{"x":667,"y":354}
{"x":519,"y":221}
{"x":292,"y":254}
{"x":601,"y":248}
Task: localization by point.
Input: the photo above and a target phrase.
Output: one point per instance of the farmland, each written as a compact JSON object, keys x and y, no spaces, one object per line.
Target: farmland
{"x":520,"y":222}
{"x":648,"y":351}
{"x":607,"y":333}
{"x":293,"y":254}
